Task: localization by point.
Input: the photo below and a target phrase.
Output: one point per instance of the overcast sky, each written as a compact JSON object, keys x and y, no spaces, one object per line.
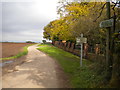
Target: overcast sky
{"x":23,"y":21}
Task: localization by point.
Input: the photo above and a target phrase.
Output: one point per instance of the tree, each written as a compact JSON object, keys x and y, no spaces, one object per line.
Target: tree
{"x":44,"y":41}
{"x":81,"y":17}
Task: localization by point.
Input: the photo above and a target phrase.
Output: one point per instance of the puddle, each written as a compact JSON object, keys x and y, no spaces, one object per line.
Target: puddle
{"x":2,"y":64}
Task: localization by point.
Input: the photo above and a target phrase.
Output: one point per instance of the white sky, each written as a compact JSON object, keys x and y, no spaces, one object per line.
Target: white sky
{"x":23,"y":21}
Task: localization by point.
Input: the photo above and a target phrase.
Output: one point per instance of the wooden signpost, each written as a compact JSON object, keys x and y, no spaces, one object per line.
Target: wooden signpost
{"x":80,"y":41}
{"x":106,"y":23}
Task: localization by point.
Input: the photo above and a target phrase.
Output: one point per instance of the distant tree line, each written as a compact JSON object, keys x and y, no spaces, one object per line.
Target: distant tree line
{"x":30,"y":42}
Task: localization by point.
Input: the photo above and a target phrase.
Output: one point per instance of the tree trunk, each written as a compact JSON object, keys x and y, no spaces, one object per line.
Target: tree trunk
{"x":115,"y":81}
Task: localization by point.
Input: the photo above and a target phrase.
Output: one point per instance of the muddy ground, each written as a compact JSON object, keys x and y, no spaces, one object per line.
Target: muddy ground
{"x":11,"y":49}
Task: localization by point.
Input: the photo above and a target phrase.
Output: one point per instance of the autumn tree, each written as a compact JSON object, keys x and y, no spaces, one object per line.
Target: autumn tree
{"x":83,"y":17}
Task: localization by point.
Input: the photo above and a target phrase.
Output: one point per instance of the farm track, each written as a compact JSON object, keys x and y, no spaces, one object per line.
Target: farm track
{"x":37,"y":71}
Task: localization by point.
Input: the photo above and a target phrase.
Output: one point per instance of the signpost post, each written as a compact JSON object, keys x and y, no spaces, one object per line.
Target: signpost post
{"x":81,"y":51}
{"x":80,"y":41}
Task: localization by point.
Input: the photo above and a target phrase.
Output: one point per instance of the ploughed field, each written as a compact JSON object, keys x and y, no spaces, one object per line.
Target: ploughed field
{"x":12,"y":49}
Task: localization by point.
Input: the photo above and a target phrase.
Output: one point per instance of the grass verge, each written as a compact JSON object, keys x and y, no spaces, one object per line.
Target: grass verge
{"x":25,"y":51}
{"x":80,"y":77}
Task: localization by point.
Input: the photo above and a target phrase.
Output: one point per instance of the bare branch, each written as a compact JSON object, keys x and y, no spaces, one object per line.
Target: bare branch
{"x":113,"y":8}
{"x":102,"y":8}
{"x":94,"y":5}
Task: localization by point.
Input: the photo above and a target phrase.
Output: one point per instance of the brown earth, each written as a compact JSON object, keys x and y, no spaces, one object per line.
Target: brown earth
{"x":35,"y":70}
{"x":11,"y":49}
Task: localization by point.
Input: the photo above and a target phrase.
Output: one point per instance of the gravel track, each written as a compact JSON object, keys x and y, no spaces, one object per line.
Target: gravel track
{"x":38,"y":71}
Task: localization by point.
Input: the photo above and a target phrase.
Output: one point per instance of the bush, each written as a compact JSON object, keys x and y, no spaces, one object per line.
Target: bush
{"x":44,"y":41}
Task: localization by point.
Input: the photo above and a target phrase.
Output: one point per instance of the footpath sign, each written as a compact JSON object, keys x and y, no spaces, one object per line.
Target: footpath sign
{"x":80,"y":41}
{"x":106,"y":23}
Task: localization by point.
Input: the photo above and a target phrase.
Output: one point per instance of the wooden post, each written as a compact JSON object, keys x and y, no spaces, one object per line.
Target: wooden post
{"x":108,"y":35}
{"x":109,"y":61}
{"x":81,"y":52}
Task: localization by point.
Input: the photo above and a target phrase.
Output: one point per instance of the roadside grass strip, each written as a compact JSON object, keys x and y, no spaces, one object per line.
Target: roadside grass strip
{"x":25,"y":51}
{"x":80,"y":77}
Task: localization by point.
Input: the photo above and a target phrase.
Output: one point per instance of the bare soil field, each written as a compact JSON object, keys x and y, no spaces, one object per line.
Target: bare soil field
{"x":11,"y":49}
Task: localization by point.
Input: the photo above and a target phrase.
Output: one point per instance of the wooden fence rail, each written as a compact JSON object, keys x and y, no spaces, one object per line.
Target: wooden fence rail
{"x":70,"y":47}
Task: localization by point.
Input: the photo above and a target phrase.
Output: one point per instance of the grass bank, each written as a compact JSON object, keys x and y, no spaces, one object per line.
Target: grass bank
{"x":25,"y":51}
{"x":80,"y":77}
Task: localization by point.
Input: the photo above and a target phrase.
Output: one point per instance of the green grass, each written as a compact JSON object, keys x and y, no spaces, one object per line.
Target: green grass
{"x":42,"y":44}
{"x":25,"y":51}
{"x":80,"y":77}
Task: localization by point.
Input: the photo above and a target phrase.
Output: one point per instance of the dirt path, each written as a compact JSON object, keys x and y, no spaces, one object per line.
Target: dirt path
{"x":39,"y":71}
